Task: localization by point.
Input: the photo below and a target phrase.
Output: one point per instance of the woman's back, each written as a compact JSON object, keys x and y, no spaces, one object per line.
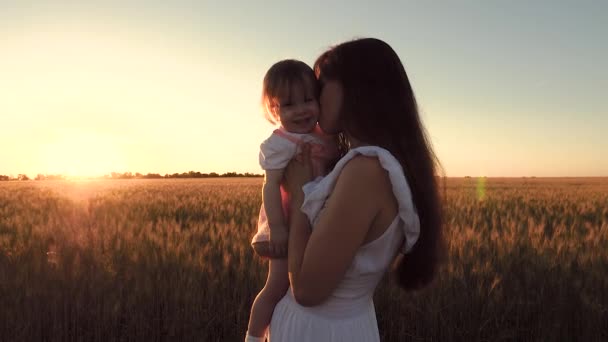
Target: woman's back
{"x":348,"y":314}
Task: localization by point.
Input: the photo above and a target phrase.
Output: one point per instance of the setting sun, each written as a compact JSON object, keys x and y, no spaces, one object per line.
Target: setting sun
{"x":82,"y":154}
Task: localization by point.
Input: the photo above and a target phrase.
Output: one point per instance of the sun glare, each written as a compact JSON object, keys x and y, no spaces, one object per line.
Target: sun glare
{"x":82,"y":155}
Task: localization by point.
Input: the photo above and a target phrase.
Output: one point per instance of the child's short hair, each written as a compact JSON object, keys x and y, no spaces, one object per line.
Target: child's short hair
{"x":279,"y":79}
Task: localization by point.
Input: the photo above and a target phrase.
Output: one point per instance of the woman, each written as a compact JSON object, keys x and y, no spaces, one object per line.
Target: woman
{"x":384,"y":200}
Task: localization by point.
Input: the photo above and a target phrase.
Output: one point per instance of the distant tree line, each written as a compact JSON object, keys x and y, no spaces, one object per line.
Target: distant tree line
{"x":189,"y":174}
{"x":20,"y":177}
{"x":137,"y":175}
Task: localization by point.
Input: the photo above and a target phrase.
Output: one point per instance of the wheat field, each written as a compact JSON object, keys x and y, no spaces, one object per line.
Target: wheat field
{"x":164,"y":260}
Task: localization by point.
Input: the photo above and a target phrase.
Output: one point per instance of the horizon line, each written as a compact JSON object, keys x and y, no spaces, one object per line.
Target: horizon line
{"x":198,"y":174}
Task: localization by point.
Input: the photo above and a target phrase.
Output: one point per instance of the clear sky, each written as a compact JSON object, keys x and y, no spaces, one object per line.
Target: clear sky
{"x":506,"y":88}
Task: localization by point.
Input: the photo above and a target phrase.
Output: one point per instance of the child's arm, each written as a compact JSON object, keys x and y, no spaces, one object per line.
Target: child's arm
{"x":271,"y":195}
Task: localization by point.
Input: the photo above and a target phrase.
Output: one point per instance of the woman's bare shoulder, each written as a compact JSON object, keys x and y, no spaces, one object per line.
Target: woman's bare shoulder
{"x":364,"y":168}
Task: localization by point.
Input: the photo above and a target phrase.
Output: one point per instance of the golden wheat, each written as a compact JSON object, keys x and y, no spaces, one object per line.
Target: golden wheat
{"x":170,"y":260}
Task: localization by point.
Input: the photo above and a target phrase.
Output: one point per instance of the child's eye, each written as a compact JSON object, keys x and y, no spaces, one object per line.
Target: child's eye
{"x":309,"y":99}
{"x":287,"y":104}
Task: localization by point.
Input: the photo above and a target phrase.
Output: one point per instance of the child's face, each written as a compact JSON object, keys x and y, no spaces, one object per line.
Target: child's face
{"x":298,"y":108}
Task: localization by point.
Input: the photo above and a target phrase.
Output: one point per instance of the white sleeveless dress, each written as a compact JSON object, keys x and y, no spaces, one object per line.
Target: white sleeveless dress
{"x":348,"y":314}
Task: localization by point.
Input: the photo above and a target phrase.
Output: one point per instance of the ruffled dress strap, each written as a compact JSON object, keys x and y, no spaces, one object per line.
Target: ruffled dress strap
{"x":317,"y":191}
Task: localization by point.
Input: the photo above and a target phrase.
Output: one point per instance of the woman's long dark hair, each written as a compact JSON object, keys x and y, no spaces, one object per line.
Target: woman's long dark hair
{"x":379,"y":108}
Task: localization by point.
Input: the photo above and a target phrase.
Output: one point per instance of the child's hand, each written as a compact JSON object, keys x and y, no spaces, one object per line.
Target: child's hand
{"x":261,"y":248}
{"x":299,"y":171}
{"x":278,"y":242}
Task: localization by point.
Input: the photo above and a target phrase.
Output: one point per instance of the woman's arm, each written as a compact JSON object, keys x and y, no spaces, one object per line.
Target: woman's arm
{"x":271,"y":196}
{"x":318,"y":260}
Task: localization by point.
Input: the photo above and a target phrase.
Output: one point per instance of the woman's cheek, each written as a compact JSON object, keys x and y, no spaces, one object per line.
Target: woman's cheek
{"x":327,"y":124}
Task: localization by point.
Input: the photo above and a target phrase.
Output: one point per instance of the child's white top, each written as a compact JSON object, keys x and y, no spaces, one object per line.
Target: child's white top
{"x":279,"y":149}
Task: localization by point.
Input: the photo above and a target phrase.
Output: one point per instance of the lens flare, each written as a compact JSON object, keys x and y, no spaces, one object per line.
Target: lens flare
{"x":481,"y":188}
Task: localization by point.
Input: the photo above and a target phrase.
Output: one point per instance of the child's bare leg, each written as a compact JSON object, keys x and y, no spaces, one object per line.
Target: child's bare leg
{"x":277,"y":284}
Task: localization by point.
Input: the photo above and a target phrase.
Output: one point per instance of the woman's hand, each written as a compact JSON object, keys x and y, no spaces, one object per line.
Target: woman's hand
{"x":298,"y":172}
{"x":278,"y":242}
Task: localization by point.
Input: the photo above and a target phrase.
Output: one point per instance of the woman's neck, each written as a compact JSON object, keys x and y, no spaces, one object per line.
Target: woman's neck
{"x":354,"y":142}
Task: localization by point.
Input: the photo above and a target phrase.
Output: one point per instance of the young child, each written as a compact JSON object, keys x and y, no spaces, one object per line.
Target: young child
{"x":289,"y":98}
